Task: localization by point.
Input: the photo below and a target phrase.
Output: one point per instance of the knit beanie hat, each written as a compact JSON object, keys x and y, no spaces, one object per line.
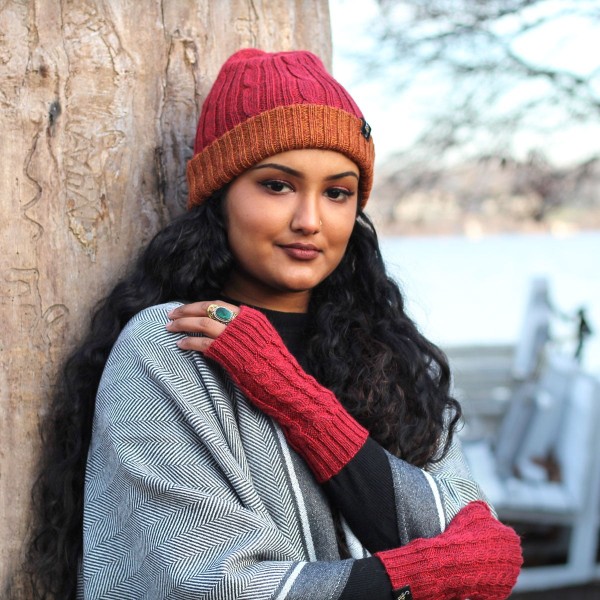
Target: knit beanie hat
{"x":264,"y":103}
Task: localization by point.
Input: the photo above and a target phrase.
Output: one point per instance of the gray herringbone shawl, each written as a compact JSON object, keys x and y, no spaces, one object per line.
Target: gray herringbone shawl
{"x":191,"y":492}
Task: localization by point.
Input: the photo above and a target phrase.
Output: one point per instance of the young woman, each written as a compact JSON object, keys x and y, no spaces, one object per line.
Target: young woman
{"x":269,"y":423}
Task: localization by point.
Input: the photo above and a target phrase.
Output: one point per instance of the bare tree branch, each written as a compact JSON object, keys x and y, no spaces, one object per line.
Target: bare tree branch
{"x":495,"y":76}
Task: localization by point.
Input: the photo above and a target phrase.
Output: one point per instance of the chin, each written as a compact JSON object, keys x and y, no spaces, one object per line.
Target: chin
{"x":301,"y":284}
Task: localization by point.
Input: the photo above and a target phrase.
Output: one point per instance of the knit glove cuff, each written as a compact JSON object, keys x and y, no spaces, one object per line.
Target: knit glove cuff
{"x":316,"y":425}
{"x":477,"y":557}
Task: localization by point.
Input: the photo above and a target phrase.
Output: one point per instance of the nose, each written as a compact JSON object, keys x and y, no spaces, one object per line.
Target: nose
{"x":307,"y":218}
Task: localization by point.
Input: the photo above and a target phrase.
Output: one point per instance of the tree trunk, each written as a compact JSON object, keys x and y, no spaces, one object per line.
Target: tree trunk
{"x":99,"y":102}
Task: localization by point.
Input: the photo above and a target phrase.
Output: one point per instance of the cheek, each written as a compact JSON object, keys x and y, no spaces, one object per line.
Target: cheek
{"x":339,"y":244}
{"x":243,"y":244}
{"x":250,"y":235}
{"x":260,"y":219}
{"x":344,"y":227}
{"x":243,"y":227}
{"x":242,"y":218}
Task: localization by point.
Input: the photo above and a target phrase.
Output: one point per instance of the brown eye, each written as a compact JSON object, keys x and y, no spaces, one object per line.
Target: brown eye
{"x":339,"y":194}
{"x":276,"y":186}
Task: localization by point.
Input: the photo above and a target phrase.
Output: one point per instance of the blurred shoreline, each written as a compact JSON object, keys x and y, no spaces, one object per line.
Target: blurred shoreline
{"x":477,"y":227}
{"x":487,"y":196}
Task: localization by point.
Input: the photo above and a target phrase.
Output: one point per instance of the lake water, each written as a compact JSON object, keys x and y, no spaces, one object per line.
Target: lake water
{"x":464,"y":290}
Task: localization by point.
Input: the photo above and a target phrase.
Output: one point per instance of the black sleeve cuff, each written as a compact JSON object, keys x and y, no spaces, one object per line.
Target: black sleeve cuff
{"x":368,"y":581}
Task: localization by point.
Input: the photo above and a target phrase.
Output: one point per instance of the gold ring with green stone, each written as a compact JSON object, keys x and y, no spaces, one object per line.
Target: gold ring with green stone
{"x":220,"y":314}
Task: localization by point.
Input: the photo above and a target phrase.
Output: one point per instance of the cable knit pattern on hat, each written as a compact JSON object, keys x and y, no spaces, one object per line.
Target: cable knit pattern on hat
{"x":262,"y":104}
{"x":252,"y":82}
{"x":316,"y":425}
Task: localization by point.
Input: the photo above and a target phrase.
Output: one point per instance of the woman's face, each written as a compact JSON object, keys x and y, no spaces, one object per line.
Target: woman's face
{"x":289,"y":219}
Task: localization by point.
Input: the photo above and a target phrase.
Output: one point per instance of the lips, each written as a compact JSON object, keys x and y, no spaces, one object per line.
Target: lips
{"x":301,"y":251}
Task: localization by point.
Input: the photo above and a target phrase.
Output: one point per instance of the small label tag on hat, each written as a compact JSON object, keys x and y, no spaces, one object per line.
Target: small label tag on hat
{"x":365,"y":129}
{"x":403,"y":594}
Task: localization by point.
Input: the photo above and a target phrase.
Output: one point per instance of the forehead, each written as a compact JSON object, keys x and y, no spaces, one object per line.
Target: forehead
{"x":312,"y":160}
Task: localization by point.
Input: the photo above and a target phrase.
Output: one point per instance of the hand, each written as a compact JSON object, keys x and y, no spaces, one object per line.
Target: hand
{"x":193,"y":318}
{"x":477,"y":557}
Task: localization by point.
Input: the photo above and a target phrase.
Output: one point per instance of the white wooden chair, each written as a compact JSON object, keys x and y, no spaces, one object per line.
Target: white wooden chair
{"x":558,"y":417}
{"x":535,"y":331}
{"x":493,"y":380}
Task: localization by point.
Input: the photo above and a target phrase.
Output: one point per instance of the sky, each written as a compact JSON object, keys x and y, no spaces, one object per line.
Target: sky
{"x":397,"y":120}
{"x":351,"y":27}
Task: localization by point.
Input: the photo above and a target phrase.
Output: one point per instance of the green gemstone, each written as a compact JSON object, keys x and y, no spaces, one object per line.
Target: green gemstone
{"x":223,"y":314}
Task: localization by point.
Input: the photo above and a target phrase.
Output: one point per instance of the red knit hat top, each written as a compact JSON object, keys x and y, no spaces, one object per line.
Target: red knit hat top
{"x":262,"y":104}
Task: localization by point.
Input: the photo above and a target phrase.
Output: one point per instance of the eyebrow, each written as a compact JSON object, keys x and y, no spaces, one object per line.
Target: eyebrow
{"x":298,"y":174}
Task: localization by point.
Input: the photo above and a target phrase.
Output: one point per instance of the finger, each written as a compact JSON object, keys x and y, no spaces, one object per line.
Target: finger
{"x":204,"y":325}
{"x":198,"y":309}
{"x":198,"y":344}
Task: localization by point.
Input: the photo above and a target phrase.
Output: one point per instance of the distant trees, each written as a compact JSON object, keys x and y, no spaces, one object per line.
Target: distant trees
{"x":496,"y":76}
{"x":488,"y":195}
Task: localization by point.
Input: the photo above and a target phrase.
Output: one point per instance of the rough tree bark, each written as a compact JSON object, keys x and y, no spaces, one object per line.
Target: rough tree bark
{"x":98,"y":107}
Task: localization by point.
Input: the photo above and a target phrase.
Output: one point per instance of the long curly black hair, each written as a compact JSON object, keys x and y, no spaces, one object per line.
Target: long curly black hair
{"x":363,"y":347}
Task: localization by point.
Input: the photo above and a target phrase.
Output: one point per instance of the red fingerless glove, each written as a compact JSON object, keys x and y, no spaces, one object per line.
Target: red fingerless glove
{"x":316,"y":425}
{"x":477,"y":557}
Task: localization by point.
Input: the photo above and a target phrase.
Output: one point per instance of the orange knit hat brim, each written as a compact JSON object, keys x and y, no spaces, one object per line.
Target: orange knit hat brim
{"x":284,"y":128}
